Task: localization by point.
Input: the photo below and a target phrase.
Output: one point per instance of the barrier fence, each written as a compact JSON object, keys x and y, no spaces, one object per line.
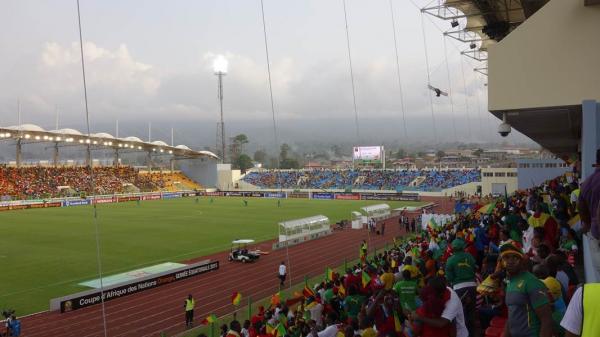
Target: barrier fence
{"x":117,"y":198}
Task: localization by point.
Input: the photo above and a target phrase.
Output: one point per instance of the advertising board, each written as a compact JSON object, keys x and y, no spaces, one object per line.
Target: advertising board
{"x":347,"y":196}
{"x":89,"y":298}
{"x":171,"y":195}
{"x":322,"y":195}
{"x":76,"y":202}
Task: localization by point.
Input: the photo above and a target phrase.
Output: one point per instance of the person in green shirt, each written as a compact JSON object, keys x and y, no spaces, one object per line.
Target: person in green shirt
{"x":407,"y":291}
{"x":460,"y":273}
{"x":353,"y":302}
{"x":529,"y":310}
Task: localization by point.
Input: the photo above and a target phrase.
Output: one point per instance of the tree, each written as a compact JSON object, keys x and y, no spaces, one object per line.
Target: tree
{"x":241,"y":139}
{"x":289,"y":163}
{"x":401,"y":153}
{"x":285,"y":150}
{"x":260,"y":156}
{"x":242,"y":162}
{"x":237,"y":145}
{"x":440,"y":154}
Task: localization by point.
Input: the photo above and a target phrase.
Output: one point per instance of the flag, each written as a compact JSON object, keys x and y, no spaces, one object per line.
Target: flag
{"x":276,"y":299}
{"x":432,"y":224}
{"x":366,"y":279}
{"x":280,"y":330}
{"x":236,"y":298}
{"x":397,"y":324}
{"x":487,"y":209}
{"x":307,"y":292}
{"x":270,"y":328}
{"x":342,"y":290}
{"x":210,"y":319}
{"x":574,"y":220}
{"x":329,"y":274}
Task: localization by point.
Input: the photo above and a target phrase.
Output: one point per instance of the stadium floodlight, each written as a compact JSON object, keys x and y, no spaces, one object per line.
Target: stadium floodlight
{"x":81,"y":141}
{"x":58,"y":139}
{"x":109,"y":143}
{"x":220,"y":68}
{"x":27,"y":136}
{"x":45,"y":137}
{"x":87,"y":141}
{"x":37,"y":137}
{"x":154,"y":149}
{"x":50,"y":138}
{"x":170,"y":151}
{"x":95,"y":142}
{"x":120,"y":145}
{"x":139,"y":147}
{"x":161,"y":150}
{"x":220,"y":65}
{"x":1,"y":135}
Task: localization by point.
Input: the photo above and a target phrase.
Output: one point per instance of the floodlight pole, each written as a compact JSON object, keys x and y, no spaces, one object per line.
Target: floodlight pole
{"x":220,"y":75}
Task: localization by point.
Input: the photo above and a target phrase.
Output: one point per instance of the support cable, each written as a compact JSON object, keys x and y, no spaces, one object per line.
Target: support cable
{"x":428,"y":78}
{"x":351,"y":73}
{"x":275,"y":138}
{"x":92,"y":182}
{"x":398,"y":72}
{"x":451,"y":92}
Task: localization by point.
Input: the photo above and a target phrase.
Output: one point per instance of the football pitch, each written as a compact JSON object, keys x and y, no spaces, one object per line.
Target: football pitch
{"x":45,"y":253}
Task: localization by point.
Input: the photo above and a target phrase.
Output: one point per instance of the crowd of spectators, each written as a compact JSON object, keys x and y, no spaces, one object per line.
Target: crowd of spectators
{"x":505,"y":267}
{"x":45,"y":182}
{"x":432,"y":180}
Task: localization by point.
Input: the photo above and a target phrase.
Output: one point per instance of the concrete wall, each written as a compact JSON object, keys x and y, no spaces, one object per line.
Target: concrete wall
{"x":499,"y":176}
{"x":533,"y":172}
{"x":552,"y":59}
{"x":200,"y":170}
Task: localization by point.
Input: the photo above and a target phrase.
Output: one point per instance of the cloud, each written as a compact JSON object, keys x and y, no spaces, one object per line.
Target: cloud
{"x":122,"y":86}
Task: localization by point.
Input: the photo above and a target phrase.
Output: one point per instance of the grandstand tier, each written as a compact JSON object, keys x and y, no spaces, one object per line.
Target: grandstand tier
{"x":428,"y":180}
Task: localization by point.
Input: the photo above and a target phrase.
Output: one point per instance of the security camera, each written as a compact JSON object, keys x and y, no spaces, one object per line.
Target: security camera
{"x":504,"y":128}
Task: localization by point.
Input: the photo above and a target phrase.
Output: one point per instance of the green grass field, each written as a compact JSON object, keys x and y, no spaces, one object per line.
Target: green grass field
{"x":44,"y":253}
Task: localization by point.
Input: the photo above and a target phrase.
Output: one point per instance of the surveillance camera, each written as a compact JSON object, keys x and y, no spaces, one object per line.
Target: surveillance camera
{"x":504,"y":129}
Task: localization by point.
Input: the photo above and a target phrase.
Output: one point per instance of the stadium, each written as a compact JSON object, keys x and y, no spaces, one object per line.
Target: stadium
{"x":112,"y":235}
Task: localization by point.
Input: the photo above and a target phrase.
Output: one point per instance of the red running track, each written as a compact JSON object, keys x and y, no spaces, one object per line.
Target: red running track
{"x":161,"y":309}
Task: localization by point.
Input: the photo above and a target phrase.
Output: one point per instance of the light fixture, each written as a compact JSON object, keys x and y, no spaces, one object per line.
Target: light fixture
{"x":220,"y":65}
{"x":81,"y":141}
{"x":454,"y":23}
{"x":27,"y":136}
{"x":170,"y":151}
{"x":120,"y":145}
{"x":95,"y":142}
{"x":38,"y":138}
{"x":139,"y":147}
{"x":50,"y":138}
{"x":45,"y":137}
{"x":154,"y":150}
{"x":109,"y":143}
{"x":161,"y":150}
{"x":87,"y":141}
{"x":58,"y":139}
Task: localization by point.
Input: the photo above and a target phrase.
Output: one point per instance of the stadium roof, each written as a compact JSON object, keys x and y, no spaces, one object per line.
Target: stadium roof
{"x":35,"y":134}
{"x":487,"y":21}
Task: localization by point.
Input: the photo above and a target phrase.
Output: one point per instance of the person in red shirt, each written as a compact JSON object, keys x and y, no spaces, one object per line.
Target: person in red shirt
{"x":433,"y":306}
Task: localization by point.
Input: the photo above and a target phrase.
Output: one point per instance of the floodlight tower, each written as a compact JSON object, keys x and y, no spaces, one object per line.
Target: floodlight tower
{"x":220,"y":69}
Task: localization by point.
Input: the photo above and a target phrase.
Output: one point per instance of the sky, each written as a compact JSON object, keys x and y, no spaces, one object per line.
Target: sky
{"x":151,"y":62}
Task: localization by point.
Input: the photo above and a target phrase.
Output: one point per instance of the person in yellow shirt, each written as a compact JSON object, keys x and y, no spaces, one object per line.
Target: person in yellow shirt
{"x":387,"y":278}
